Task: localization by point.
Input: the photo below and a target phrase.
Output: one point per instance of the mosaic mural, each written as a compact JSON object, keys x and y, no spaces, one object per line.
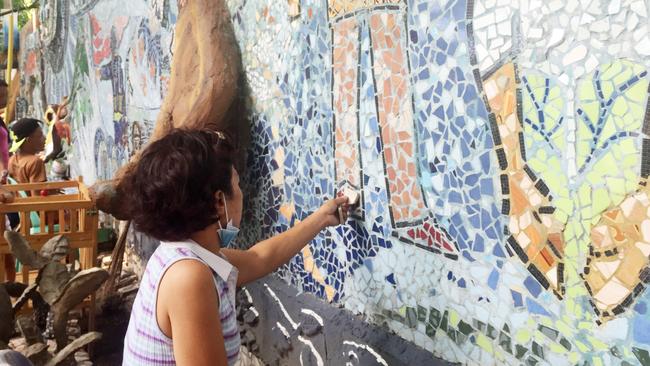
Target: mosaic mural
{"x":501,"y":149}
{"x":112,"y":59}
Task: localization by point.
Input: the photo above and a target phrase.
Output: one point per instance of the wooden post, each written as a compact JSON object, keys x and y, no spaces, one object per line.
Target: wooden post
{"x":3,"y":218}
{"x":2,"y":268}
{"x":10,"y":48}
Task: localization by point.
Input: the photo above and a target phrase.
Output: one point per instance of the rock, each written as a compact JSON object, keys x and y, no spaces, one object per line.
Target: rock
{"x":15,"y":289}
{"x":106,"y":261}
{"x":242,"y":299}
{"x":105,"y":196}
{"x":37,"y":353}
{"x":310,"y":327}
{"x":128,"y":289}
{"x":21,"y":249}
{"x":281,"y":343}
{"x":74,"y":332}
{"x":201,"y":90}
{"x":248,"y":338}
{"x":29,"y":331}
{"x":255,"y":348}
{"x":127,"y":281}
{"x":27,"y":293}
{"x":6,"y":316}
{"x":81,"y":356}
{"x":251,"y":317}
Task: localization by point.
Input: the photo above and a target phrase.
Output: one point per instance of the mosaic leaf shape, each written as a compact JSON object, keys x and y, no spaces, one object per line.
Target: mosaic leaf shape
{"x":610,"y":113}
{"x":617,"y":267}
{"x":554,"y":197}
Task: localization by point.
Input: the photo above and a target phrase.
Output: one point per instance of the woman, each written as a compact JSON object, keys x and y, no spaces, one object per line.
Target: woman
{"x":185,"y":192}
{"x":14,"y":220}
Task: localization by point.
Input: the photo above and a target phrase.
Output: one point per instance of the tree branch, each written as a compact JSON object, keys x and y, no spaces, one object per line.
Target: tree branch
{"x":600,"y":150}
{"x":33,"y":5}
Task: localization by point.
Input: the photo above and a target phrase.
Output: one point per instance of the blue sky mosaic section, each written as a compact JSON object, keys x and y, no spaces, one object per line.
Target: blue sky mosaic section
{"x":305,"y":137}
{"x":455,"y":146}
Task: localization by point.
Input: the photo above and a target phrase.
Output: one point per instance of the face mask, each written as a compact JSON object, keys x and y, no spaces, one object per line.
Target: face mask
{"x":229,"y":233}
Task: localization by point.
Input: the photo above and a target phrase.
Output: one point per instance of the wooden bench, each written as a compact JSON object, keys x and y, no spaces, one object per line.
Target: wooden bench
{"x":75,"y":211}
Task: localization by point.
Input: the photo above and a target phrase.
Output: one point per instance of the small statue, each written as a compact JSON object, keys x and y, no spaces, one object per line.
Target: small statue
{"x":56,"y":117}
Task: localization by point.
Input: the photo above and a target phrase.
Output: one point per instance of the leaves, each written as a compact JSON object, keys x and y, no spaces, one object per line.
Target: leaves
{"x":21,"y":249}
{"x":75,"y":345}
{"x":75,"y":291}
{"x":52,"y":280}
{"x":55,"y":249}
{"x":609,"y":114}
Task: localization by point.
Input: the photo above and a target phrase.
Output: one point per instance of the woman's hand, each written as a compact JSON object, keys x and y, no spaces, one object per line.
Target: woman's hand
{"x":267,"y":255}
{"x":335,"y":211}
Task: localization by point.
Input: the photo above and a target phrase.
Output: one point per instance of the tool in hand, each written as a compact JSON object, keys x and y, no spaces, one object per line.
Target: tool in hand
{"x":353,"y":199}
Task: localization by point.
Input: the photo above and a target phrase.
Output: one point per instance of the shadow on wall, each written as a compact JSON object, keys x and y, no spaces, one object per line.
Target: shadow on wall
{"x":294,"y":329}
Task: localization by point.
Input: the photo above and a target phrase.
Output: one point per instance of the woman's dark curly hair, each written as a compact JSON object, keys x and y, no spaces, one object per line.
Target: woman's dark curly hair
{"x":173,"y":185}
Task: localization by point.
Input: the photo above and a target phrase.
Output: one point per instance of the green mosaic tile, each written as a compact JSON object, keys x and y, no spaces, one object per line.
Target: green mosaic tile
{"x":565,"y":343}
{"x":430,"y":330}
{"x":434,"y":317}
{"x":505,"y":342}
{"x":520,"y":351}
{"x":445,"y":321}
{"x":411,"y":317}
{"x":465,"y":328}
{"x":422,"y":313}
{"x":538,"y":350}
{"x":642,"y":355}
{"x":549,"y":332}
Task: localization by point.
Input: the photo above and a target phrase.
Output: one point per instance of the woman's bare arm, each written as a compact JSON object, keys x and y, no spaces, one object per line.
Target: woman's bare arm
{"x":188,"y":312}
{"x":267,"y":255}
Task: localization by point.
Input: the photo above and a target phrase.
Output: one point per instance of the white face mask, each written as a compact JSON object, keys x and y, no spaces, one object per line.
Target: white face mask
{"x":227,"y":234}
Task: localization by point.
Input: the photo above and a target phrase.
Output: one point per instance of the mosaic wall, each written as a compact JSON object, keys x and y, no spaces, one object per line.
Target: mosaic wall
{"x":112,"y":58}
{"x":501,"y":149}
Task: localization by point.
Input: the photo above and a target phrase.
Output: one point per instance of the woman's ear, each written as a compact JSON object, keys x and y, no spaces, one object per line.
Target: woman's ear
{"x":220,"y":203}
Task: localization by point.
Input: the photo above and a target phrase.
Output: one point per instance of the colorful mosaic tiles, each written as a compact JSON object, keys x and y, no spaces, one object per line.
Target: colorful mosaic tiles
{"x":511,"y":166}
{"x":500,"y":149}
{"x":535,"y":235}
{"x":387,"y":72}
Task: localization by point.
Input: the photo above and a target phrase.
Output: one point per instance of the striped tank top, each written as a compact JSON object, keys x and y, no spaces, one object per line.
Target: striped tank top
{"x":145,"y":343}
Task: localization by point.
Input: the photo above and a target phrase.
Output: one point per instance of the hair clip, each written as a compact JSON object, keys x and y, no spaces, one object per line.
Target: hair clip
{"x":220,"y":135}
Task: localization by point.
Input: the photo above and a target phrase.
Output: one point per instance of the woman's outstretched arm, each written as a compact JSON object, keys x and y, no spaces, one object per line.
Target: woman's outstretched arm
{"x":267,"y":255}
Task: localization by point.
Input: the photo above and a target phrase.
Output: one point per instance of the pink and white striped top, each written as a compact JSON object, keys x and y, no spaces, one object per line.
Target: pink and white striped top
{"x":145,"y":343}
